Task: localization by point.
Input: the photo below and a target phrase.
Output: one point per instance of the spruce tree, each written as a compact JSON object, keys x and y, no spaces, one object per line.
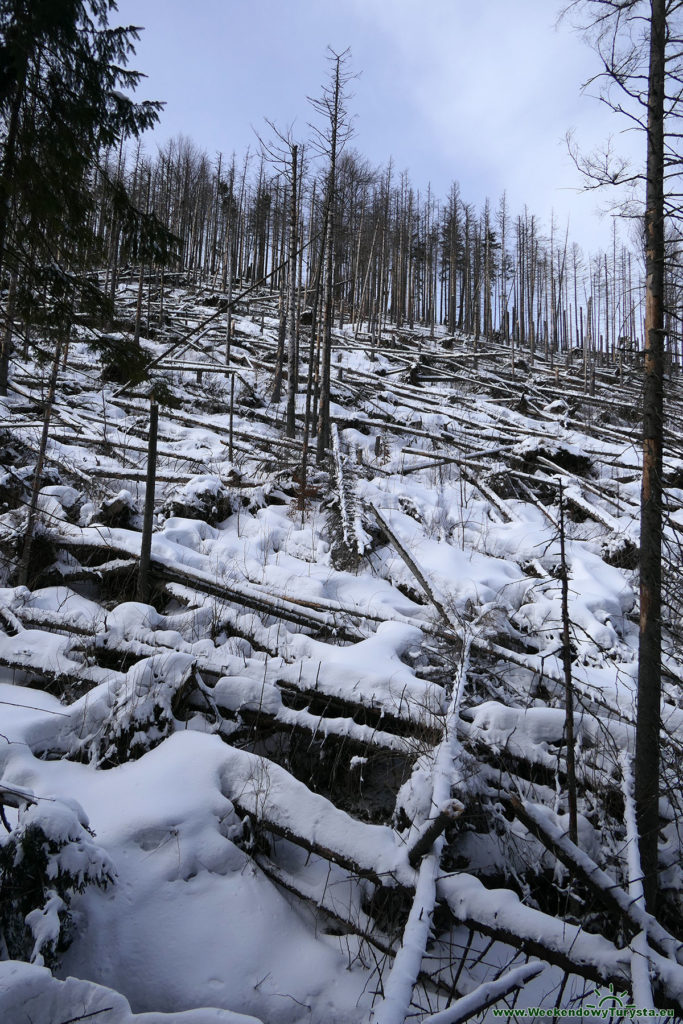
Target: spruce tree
{"x":64,"y":100}
{"x":63,"y":69}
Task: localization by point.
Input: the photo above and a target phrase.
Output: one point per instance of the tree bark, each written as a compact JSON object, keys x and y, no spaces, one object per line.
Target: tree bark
{"x":146,"y":542}
{"x":649,"y":660}
{"x":292,"y":369}
{"x":24,"y":564}
{"x":323,"y":432}
{"x":568,"y":686}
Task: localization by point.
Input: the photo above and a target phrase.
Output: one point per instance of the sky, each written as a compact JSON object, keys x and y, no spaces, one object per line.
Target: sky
{"x":481,"y":92}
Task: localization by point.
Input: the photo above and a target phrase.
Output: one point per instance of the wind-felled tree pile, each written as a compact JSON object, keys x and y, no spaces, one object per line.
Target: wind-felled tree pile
{"x":348,"y":738}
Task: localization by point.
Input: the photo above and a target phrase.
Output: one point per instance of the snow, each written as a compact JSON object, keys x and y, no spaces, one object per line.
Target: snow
{"x":504,"y":913}
{"x":465,"y":1007}
{"x":187,"y":907}
{"x":31,"y":995}
{"x":45,"y":925}
{"x":235,"y":752}
{"x":371,"y":670}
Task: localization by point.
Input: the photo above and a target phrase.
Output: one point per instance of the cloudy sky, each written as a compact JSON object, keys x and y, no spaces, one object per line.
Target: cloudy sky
{"x":478,"y":91}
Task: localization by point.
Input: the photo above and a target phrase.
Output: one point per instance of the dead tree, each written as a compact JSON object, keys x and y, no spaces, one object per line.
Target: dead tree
{"x":337,"y":129}
{"x":628,"y":59}
{"x":25,"y":561}
{"x":650,"y":656}
{"x":148,"y":520}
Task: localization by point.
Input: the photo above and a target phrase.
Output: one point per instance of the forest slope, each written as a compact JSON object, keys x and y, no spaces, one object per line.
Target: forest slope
{"x":325,"y":770}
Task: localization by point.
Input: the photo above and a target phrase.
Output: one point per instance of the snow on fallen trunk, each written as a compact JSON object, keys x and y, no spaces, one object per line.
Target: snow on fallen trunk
{"x":182,"y":565}
{"x":398,"y":990}
{"x":47,"y":655}
{"x":245,"y":696}
{"x":281,"y":803}
{"x":500,"y":914}
{"x":28,"y":992}
{"x":542,"y":822}
{"x":124,"y":716}
{"x":485,"y":995}
{"x":640,"y":949}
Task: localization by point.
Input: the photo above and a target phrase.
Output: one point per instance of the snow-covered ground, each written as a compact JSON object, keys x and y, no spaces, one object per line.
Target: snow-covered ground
{"x":229,"y":784}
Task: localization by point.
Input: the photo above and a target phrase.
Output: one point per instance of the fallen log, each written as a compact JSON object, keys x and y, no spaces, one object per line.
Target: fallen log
{"x":277,"y":802}
{"x":261,"y":705}
{"x":486,"y":995}
{"x":500,"y":914}
{"x":605,"y":888}
{"x":259,"y":601}
{"x":449,"y":813}
{"x":403,"y":735}
{"x":111,"y":570}
{"x":427,"y":851}
{"x":412,"y":565}
{"x":363,"y":925}
{"x":27,"y":651}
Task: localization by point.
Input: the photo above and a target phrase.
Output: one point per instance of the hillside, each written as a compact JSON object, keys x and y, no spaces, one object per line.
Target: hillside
{"x":323,"y":775}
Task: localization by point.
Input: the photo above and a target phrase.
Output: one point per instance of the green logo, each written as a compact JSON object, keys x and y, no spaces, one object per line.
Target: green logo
{"x":613,"y":1000}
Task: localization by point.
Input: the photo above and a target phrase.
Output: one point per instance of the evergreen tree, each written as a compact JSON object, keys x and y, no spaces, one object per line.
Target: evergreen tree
{"x":61,"y":106}
{"x":62,"y":75}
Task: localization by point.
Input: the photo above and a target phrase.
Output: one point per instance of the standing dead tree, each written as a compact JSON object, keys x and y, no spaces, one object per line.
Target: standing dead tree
{"x":287,"y":157}
{"x":330,"y":140}
{"x":638,"y":42}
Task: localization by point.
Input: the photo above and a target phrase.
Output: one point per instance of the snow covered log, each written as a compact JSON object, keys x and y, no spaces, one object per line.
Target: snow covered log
{"x":279,"y":803}
{"x":71,"y":1001}
{"x":500,"y":914}
{"x":607,"y":889}
{"x":486,"y":995}
{"x":259,"y":600}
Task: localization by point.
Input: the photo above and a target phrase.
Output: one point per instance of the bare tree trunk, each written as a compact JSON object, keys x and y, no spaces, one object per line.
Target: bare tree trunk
{"x":6,"y":344}
{"x":333,"y":106}
{"x":292,"y":369}
{"x":228,"y":312}
{"x":649,"y":660}
{"x":24,"y":564}
{"x":309,"y":416}
{"x":138,"y":307}
{"x":150,"y":483}
{"x":587,"y":341}
{"x":323,"y":431}
{"x":569,"y":688}
{"x":280,"y":351}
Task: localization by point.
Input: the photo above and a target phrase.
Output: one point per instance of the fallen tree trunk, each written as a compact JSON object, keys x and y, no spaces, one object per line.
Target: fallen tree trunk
{"x":262,"y":602}
{"x":500,"y":914}
{"x":486,"y":995}
{"x":605,"y":888}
